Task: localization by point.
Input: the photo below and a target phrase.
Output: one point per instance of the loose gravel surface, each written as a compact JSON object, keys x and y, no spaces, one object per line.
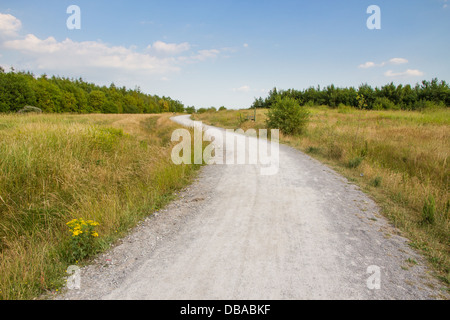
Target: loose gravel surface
{"x":302,"y":233}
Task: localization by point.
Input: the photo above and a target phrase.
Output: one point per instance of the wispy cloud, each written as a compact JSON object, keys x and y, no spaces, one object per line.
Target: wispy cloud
{"x":69,"y":55}
{"x":63,"y":55}
{"x":397,"y":61}
{"x":242,"y":89}
{"x":393,"y":61}
{"x":391,"y":73}
{"x":367,"y":65}
{"x":247,"y":89}
{"x":407,"y":73}
{"x":169,"y":49}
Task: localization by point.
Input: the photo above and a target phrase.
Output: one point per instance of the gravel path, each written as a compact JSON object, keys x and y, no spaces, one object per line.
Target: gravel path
{"x":303,"y":233}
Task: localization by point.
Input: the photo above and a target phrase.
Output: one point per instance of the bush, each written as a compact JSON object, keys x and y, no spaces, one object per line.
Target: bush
{"x":310,"y":103}
{"x":384,"y":104}
{"x":428,"y":105}
{"x":190,"y":110}
{"x":28,"y":109}
{"x":288,"y":116}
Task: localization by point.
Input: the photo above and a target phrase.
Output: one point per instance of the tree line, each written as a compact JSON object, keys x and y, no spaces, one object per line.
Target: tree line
{"x":427,"y":94}
{"x":58,"y":95}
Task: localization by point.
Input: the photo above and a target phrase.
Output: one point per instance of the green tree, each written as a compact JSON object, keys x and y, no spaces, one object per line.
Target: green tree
{"x":16,"y":91}
{"x":190,"y":110}
{"x":130,"y":104}
{"x":97,"y":100}
{"x":287,"y":115}
{"x":69,"y":102}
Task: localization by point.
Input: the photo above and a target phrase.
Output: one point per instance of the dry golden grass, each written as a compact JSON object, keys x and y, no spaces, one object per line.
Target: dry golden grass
{"x":400,"y":158}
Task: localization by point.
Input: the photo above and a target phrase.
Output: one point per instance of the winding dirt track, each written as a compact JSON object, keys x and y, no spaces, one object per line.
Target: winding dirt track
{"x":302,"y":233}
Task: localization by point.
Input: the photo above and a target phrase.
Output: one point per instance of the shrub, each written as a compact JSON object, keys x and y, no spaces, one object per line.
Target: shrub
{"x":190,"y":110}
{"x":384,"y":104}
{"x":28,"y":109}
{"x":310,"y":103}
{"x":288,"y":116}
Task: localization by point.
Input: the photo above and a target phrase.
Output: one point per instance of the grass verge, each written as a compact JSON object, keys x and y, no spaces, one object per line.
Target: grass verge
{"x":111,"y":169}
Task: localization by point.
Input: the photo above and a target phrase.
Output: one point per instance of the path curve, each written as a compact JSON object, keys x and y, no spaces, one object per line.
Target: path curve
{"x":302,"y":233}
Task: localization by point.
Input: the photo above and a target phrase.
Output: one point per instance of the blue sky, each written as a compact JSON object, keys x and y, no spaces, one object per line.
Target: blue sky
{"x":214,"y":53}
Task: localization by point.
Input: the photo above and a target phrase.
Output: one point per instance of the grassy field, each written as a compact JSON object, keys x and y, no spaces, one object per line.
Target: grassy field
{"x":112,"y":169}
{"x":400,"y":158}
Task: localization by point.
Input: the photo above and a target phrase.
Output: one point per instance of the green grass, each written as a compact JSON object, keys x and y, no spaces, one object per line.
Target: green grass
{"x":114,"y":169}
{"x":400,"y":158}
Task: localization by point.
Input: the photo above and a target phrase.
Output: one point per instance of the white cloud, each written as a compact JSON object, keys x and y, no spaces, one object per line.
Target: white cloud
{"x":247,"y":89}
{"x":242,"y":89}
{"x":68,"y":54}
{"x":407,"y":73}
{"x":206,"y":54}
{"x":398,"y":61}
{"x":201,"y":55}
{"x":169,"y":49}
{"x":390,"y":73}
{"x":367,"y":65}
{"x":245,"y":45}
{"x":371,"y":64}
{"x":95,"y":56}
{"x":9,"y":25}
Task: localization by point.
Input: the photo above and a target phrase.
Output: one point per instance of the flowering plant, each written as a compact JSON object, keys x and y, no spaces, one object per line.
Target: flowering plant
{"x":83,"y":236}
